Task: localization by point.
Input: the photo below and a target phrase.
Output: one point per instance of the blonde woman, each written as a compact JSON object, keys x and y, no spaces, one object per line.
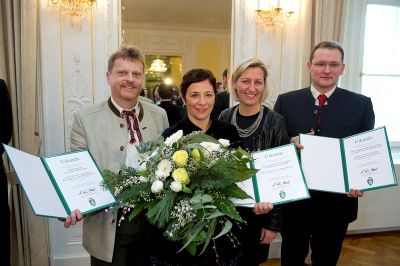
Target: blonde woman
{"x":259,"y":128}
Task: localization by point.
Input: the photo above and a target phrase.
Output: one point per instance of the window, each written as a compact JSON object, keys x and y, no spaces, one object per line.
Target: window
{"x":381,"y":66}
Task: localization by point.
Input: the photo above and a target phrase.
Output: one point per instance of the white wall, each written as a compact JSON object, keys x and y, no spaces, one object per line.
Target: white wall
{"x":73,"y":64}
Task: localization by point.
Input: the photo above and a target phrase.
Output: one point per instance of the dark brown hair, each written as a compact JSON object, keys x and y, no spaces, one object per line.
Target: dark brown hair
{"x":197,"y":75}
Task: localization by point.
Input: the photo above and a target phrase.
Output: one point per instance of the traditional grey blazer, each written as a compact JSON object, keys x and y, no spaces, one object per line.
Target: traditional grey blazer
{"x":101,"y":129}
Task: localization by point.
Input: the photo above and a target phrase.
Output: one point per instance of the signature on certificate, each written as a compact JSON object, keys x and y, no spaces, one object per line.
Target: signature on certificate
{"x":87,"y":191}
{"x":369,"y":170}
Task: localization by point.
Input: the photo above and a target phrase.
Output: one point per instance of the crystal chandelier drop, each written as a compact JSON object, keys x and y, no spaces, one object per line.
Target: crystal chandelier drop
{"x":273,"y":17}
{"x":75,"y":8}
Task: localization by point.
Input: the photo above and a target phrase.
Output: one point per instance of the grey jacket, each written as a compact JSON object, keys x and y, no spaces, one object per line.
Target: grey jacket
{"x":101,"y":129}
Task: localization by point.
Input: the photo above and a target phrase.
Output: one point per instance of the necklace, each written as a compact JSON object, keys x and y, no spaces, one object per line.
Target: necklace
{"x":244,"y":133}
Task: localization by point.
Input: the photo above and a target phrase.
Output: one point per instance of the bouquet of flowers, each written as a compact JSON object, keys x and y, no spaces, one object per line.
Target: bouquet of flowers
{"x":184,"y":185}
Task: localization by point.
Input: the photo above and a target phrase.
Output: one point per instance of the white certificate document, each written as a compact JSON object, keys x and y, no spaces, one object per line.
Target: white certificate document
{"x":59,"y":184}
{"x":279,"y":178}
{"x":361,"y":161}
{"x":369,"y":164}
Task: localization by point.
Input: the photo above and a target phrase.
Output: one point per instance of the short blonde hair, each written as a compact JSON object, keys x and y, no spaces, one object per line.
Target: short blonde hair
{"x":251,"y":63}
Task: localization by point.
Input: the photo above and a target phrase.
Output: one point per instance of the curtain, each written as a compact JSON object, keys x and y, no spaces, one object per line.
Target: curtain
{"x":328,"y":20}
{"x":19,"y":58}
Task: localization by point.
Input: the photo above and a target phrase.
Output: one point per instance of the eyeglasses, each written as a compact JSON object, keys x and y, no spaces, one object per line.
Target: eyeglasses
{"x":334,"y":66}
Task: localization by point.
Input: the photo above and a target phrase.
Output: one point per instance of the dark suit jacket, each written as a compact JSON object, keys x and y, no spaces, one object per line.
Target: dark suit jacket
{"x":5,"y":116}
{"x":346,"y":114}
{"x":221,"y":103}
{"x":174,"y":112}
{"x":5,"y":137}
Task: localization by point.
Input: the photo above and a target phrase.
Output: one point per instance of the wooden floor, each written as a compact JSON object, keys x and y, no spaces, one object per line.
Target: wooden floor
{"x":378,"y":249}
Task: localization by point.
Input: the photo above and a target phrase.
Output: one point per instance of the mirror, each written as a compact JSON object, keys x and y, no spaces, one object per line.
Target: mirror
{"x":182,"y":34}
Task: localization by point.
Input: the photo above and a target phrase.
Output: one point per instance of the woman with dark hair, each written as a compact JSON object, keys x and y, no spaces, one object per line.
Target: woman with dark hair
{"x":259,"y":128}
{"x":198,"y":89}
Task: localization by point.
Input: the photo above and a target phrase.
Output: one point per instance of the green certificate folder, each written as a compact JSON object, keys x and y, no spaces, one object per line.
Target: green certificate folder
{"x":362,"y":161}
{"x":59,"y":184}
{"x":279,"y":178}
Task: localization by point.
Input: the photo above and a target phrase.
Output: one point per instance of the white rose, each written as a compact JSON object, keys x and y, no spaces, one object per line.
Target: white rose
{"x":143,"y":179}
{"x":142,"y":167}
{"x":210,"y":147}
{"x":157,"y":186}
{"x":176,"y":186}
{"x":224,"y":142}
{"x":174,"y":138}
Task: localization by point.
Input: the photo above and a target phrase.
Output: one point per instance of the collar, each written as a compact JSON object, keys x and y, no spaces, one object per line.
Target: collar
{"x":117,"y":110}
{"x":316,"y":93}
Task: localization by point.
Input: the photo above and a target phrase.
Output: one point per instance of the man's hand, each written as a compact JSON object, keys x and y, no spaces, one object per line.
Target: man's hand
{"x":296,"y":140}
{"x":267,"y":236}
{"x":262,"y":207}
{"x":355,"y":193}
{"x":72,"y":219}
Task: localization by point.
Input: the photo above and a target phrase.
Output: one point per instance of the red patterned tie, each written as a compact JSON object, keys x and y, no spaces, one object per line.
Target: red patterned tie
{"x":321,"y":101}
{"x":135,"y":127}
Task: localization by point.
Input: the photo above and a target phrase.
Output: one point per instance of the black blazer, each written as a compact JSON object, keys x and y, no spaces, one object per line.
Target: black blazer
{"x":5,"y":116}
{"x":346,"y":114}
{"x":5,"y":137}
{"x":174,"y":112}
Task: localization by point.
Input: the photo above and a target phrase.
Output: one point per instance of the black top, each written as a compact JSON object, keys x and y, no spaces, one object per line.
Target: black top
{"x":270,"y":133}
{"x":218,"y":130}
{"x":228,"y":254}
{"x":5,"y":116}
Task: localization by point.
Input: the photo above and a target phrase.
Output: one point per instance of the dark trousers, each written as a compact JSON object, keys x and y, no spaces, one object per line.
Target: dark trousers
{"x":325,"y":235}
{"x":132,"y":246}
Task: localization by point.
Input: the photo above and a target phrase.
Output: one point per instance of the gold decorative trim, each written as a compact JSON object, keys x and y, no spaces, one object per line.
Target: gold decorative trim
{"x":62,"y":76}
{"x":92,"y":51}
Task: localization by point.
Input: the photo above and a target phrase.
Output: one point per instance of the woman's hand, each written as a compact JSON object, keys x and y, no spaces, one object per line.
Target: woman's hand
{"x":262,"y":207}
{"x":267,"y":236}
{"x":355,"y":193}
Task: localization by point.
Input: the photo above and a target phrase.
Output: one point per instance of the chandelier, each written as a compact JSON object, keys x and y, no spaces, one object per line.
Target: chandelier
{"x":158,"y":65}
{"x":75,"y":8}
{"x":273,"y":17}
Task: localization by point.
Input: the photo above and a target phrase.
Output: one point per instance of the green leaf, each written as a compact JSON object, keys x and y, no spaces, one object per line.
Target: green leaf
{"x":226,"y":206}
{"x":136,"y":210}
{"x":215,"y":215}
{"x":244,"y":173}
{"x":159,"y":214}
{"x":220,"y":175}
{"x":210,"y":232}
{"x":235,"y":191}
{"x":198,"y":138}
{"x":226,"y":229}
{"x":195,"y":230}
{"x":191,"y":248}
{"x":133,"y":193}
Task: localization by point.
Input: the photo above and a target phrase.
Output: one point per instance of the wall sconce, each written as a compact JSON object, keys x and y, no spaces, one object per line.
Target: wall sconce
{"x":75,"y":8}
{"x":273,"y":17}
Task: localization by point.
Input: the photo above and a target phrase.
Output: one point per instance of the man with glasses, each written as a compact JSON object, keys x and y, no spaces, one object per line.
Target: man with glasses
{"x":111,"y":130}
{"x":326,"y":110}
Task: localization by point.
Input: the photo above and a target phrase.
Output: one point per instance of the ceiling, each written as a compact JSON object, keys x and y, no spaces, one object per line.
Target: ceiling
{"x":215,"y":14}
